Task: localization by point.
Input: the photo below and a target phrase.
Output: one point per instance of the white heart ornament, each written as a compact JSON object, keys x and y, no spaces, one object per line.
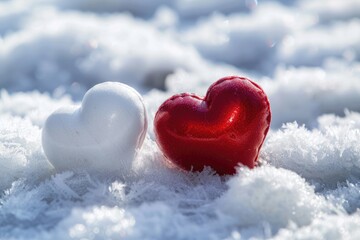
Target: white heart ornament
{"x":102,"y":135}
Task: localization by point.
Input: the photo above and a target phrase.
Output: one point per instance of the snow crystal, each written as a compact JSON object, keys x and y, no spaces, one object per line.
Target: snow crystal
{"x":327,"y":155}
{"x":21,"y":152}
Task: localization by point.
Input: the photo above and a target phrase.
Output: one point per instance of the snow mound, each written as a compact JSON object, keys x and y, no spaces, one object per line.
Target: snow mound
{"x":334,"y":227}
{"x":328,"y":155}
{"x":272,"y":197}
{"x":73,"y":52}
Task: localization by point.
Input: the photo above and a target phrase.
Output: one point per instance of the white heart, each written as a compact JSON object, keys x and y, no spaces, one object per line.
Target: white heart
{"x":102,"y":135}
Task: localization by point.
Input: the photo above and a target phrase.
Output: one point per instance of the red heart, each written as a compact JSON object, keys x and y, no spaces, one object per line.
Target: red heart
{"x":222,"y":130}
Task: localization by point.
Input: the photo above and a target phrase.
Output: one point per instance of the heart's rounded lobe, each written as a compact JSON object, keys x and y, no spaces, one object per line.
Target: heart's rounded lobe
{"x":223,"y":130}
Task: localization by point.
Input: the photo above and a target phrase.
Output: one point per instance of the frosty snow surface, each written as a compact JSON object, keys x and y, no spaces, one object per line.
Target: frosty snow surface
{"x":305,"y":54}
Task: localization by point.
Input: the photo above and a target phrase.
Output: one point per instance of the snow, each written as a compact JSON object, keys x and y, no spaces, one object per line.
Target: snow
{"x":272,"y":196}
{"x":305,"y":54}
{"x":328,"y":155}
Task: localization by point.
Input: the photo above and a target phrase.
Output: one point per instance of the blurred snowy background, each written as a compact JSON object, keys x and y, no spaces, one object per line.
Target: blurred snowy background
{"x":306,"y":56}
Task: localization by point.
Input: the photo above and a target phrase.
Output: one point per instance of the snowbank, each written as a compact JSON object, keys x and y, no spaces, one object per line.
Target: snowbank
{"x":304,"y":54}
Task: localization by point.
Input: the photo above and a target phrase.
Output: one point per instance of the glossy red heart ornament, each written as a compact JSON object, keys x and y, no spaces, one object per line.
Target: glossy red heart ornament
{"x":222,"y":130}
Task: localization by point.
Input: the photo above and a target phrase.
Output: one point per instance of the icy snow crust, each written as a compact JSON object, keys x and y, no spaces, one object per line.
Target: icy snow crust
{"x":305,"y":54}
